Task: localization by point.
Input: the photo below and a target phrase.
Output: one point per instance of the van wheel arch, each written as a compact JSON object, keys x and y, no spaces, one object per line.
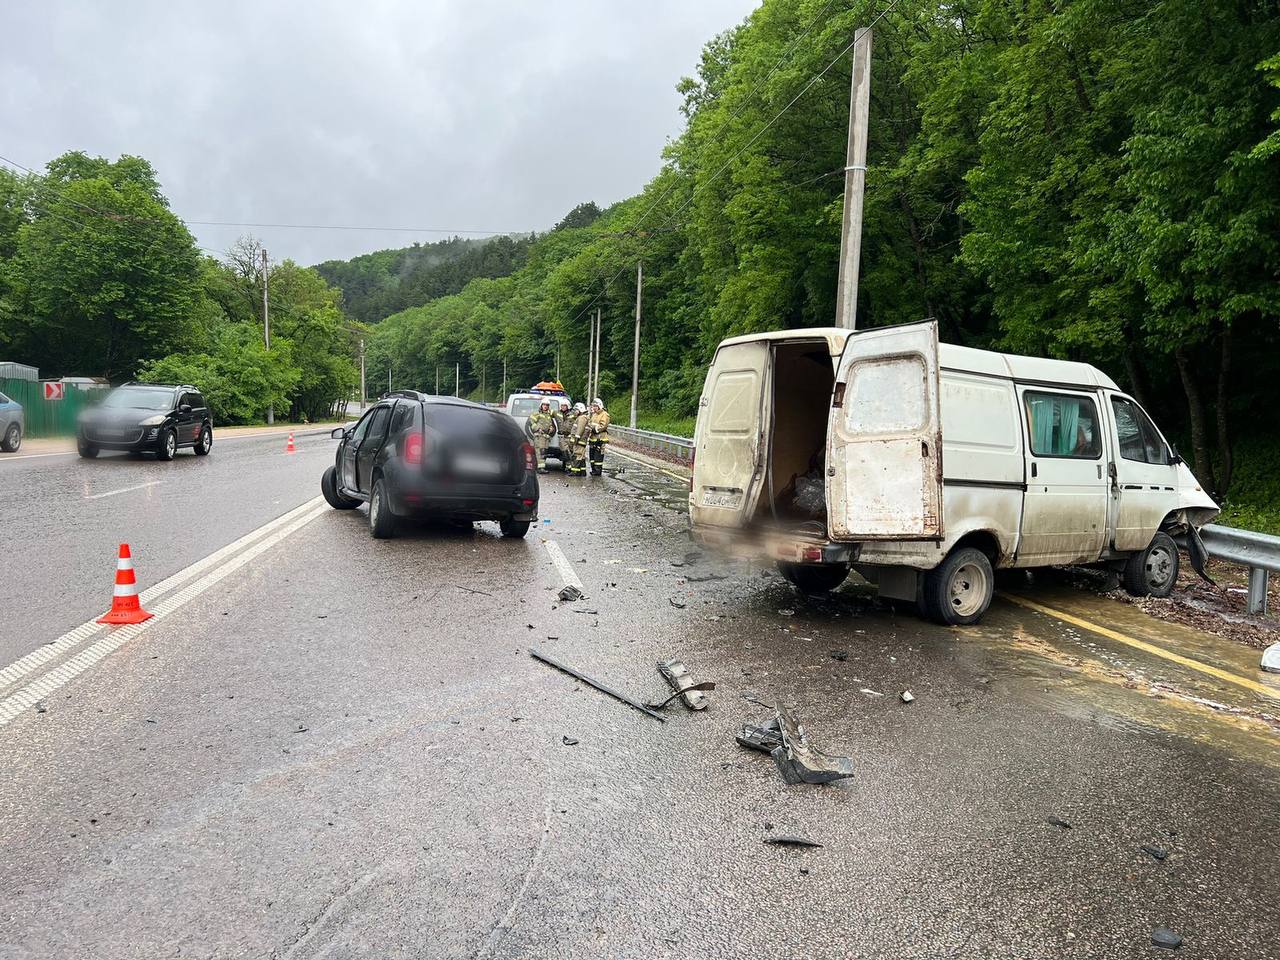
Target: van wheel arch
{"x":984,"y":541}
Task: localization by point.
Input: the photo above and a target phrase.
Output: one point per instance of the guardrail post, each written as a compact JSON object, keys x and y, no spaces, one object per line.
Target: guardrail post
{"x":1258,"y":591}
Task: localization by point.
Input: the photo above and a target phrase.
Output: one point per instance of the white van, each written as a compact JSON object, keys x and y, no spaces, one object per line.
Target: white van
{"x":924,"y":466}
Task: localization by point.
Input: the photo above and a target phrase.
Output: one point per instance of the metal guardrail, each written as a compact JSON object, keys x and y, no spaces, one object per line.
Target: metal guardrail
{"x":681,"y":448}
{"x":1260,"y":552}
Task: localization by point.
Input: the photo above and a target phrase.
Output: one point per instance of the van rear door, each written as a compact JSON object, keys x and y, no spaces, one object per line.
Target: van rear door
{"x":884,"y":437}
{"x":728,"y":470}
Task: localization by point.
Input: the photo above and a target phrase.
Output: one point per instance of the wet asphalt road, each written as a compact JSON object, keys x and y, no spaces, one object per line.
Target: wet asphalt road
{"x":343,"y":749}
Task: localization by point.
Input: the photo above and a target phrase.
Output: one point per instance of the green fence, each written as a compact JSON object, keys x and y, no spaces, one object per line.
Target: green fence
{"x":48,"y":418}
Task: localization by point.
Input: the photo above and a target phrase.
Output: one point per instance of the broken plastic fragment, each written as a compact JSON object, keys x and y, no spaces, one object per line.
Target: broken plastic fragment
{"x":569,"y":592}
{"x":798,"y":762}
{"x":907,"y":696}
{"x":789,"y":840}
{"x":1166,"y":938}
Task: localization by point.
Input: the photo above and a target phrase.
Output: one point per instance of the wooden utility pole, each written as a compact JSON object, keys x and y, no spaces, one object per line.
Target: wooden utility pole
{"x":855,"y":182}
{"x":635,"y":353}
{"x":266,"y":325}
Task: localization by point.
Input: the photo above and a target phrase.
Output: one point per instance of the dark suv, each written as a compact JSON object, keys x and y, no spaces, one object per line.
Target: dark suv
{"x":147,"y":416}
{"x":415,"y":454}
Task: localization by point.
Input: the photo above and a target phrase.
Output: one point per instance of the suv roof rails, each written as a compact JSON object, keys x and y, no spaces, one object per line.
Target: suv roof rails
{"x":165,"y":386}
{"x":407,"y":394}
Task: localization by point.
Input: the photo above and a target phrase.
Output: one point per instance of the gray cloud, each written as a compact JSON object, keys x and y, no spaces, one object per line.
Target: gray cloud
{"x":485,"y":115}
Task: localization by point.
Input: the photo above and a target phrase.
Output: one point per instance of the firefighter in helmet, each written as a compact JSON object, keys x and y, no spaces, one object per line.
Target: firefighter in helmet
{"x":597,"y":435}
{"x":579,"y":431}
{"x":541,"y":427}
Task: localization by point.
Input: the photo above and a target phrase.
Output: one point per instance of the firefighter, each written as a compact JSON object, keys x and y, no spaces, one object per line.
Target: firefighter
{"x":541,"y":427}
{"x":597,"y":435}
{"x":578,"y":432}
{"x":563,"y":419}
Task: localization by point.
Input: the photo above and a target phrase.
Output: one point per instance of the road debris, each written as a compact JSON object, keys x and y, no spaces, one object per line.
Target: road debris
{"x":705,"y":685}
{"x":786,"y":612}
{"x":841,"y":655}
{"x":469,"y":590}
{"x":1058,"y":822}
{"x":565,"y":668}
{"x":1165,"y":938}
{"x":1271,"y":658}
{"x":790,"y":840}
{"x":1156,"y":853}
{"x":678,"y":604}
{"x":907,"y":696}
{"x":569,"y":741}
{"x":798,"y":762}
{"x":871,"y":693}
{"x":677,"y":675}
{"x":766,"y":738}
{"x":568,"y":593}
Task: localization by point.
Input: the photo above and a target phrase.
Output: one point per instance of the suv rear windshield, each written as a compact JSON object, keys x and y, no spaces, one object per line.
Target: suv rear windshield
{"x":525,"y":406}
{"x":455,"y":420}
{"x":140,"y":398}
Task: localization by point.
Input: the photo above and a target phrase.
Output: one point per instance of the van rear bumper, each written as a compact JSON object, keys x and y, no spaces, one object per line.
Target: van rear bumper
{"x":759,"y":544}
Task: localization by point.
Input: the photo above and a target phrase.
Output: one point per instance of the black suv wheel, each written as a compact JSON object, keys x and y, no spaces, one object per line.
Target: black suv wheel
{"x":205,"y":441}
{"x":168,"y":445}
{"x":382,"y":522}
{"x":329,"y":487}
{"x":514,"y":528}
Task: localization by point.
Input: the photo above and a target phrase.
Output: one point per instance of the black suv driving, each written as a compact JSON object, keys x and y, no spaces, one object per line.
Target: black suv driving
{"x":147,"y":416}
{"x":415,"y":454}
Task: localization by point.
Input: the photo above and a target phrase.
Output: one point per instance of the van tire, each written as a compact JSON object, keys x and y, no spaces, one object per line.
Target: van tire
{"x":1152,"y":572}
{"x":959,"y":590}
{"x":814,"y":578}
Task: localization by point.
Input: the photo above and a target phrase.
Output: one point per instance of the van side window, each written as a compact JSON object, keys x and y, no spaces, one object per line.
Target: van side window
{"x":887,"y":396}
{"x":1137,"y":434}
{"x":1063,"y":426}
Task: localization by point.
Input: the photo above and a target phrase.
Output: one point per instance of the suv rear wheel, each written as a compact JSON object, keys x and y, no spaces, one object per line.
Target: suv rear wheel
{"x":1153,"y":572}
{"x":959,"y":590}
{"x":382,"y":522}
{"x":12,"y":439}
{"x":514,"y":528}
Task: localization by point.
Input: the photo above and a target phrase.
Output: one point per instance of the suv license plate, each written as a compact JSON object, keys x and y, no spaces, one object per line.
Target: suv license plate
{"x":487,"y":466}
{"x":729,"y":499}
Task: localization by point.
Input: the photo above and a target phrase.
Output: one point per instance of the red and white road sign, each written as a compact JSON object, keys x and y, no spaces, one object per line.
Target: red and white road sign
{"x":54,"y":391}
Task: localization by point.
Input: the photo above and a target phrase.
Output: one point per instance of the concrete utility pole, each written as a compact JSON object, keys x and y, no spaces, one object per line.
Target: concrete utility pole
{"x":855,"y":182}
{"x":557,"y":364}
{"x":482,"y":383}
{"x":266,"y":326}
{"x":457,"y":378}
{"x":595,"y":377}
{"x":591,"y":353}
{"x":635,"y":354}
{"x":503,"y":398}
{"x":362,"y":393}
{"x":388,"y":377}
{"x":437,"y":379}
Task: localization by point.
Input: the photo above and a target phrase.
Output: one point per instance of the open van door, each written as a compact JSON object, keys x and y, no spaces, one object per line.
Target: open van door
{"x":728,"y":466}
{"x":884,"y":437}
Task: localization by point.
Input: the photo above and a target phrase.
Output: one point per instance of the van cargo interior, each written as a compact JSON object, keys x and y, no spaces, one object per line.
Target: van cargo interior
{"x":803,"y":377}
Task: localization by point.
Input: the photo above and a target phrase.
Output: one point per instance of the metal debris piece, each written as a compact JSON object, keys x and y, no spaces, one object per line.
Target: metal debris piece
{"x":798,"y":762}
{"x":907,"y":696}
{"x":1165,"y":938}
{"x":1058,"y":822}
{"x":790,"y":840}
{"x":678,"y":604}
{"x":871,"y":693}
{"x":569,"y":741}
{"x":677,"y":675}
{"x":786,"y":612}
{"x":765,"y":738}
{"x":705,"y":685}
{"x":1156,"y":853}
{"x":569,"y":593}
{"x":635,"y":704}
{"x":1271,"y":658}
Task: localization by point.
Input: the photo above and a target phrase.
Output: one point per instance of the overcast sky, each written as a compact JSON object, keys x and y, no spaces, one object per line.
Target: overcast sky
{"x":492,"y":115}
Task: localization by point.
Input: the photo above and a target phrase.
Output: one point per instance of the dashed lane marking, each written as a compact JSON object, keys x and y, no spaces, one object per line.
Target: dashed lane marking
{"x":73,"y":638}
{"x":37,"y":690}
{"x":644,"y":463}
{"x":1207,"y":669}
{"x":136,"y":486}
{"x":562,"y":563}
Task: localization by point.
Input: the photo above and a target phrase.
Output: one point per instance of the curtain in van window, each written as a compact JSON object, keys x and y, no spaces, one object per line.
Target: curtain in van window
{"x":1041,"y":424}
{"x":1068,"y":421}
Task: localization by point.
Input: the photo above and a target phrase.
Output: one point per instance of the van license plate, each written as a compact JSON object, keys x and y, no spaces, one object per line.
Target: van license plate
{"x":728,"y":499}
{"x":486,"y":466}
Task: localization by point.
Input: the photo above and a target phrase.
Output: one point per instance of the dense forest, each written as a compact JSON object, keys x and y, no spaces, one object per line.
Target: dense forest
{"x":98,"y":277}
{"x":1096,"y":179}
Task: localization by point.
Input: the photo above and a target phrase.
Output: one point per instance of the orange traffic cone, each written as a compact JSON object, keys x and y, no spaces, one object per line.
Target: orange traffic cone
{"x":289,"y":447}
{"x":124,"y":602}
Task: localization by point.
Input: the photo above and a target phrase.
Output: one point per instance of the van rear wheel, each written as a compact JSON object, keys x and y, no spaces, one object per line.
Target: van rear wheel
{"x":959,"y":590}
{"x":1153,"y":572}
{"x":814,"y":578}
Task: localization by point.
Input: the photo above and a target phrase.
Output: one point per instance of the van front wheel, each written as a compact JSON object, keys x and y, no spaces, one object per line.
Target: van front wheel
{"x":1153,"y":572}
{"x":959,"y":590}
{"x":814,"y":578}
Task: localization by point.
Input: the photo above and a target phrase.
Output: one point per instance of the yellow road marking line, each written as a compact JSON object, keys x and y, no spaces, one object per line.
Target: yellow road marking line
{"x":1137,"y":644}
{"x":644,"y":463}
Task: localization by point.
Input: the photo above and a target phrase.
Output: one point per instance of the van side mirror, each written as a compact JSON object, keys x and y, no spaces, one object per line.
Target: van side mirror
{"x":1174,"y":456}
{"x":339,"y":433}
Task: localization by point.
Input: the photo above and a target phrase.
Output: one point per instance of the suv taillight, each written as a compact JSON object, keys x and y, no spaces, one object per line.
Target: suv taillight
{"x":530,"y":458}
{"x":413,"y":449}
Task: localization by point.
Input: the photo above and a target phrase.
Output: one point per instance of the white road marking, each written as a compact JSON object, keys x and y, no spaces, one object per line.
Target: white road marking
{"x":33,"y":692}
{"x":563,"y":565}
{"x":136,"y":486}
{"x":21,"y":667}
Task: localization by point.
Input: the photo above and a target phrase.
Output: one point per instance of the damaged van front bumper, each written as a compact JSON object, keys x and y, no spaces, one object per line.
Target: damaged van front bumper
{"x":762,"y":544}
